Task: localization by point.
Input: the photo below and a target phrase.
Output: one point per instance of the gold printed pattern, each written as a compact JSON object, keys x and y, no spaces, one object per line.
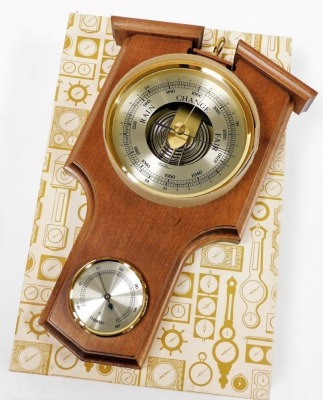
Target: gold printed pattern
{"x":216,"y":334}
{"x":225,"y":350}
{"x":200,"y":373}
{"x":67,"y":124}
{"x":222,"y":256}
{"x":31,"y":357}
{"x":253,"y":290}
{"x":164,"y":373}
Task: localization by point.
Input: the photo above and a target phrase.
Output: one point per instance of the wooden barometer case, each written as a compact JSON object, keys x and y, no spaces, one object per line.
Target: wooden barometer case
{"x":171,"y":156}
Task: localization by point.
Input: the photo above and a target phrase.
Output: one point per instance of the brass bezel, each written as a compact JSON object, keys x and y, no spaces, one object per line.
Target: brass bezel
{"x":127,"y":328}
{"x":216,"y":72}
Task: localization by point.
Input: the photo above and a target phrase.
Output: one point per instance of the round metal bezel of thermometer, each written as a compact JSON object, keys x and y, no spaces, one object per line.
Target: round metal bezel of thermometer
{"x":181,"y":130}
{"x":108,"y":297}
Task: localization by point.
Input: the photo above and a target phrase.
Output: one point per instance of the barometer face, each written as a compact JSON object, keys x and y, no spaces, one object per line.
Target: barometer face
{"x":108,"y":297}
{"x":181,"y":130}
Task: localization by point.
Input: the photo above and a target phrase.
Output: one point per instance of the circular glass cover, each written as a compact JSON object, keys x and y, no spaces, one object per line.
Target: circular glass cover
{"x":181,"y":130}
{"x":108,"y":297}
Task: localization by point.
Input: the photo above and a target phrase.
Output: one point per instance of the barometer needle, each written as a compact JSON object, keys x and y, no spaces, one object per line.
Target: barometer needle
{"x":164,"y":126}
{"x":195,"y":106}
{"x":107,"y":296}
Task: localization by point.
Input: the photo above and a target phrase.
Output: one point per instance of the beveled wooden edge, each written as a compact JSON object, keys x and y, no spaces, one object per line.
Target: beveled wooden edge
{"x":123,"y":27}
{"x":301,"y":94}
{"x":134,"y":362}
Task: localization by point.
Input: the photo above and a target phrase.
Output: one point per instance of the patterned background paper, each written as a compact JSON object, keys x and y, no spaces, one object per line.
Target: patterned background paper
{"x":221,"y":286}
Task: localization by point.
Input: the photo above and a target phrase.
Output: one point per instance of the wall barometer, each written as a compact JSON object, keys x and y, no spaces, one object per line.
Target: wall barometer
{"x":171,"y":156}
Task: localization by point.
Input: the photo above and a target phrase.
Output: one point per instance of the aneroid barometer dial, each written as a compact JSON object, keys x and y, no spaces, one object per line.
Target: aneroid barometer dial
{"x":108,"y":297}
{"x":181,"y":130}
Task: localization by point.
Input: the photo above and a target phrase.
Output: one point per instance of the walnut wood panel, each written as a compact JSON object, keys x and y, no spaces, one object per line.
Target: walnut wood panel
{"x":125,"y":27}
{"x":156,"y":239}
{"x":301,"y":93}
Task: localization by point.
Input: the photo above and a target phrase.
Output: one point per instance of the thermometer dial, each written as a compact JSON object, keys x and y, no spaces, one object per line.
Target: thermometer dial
{"x":181,"y":130}
{"x":108,"y":297}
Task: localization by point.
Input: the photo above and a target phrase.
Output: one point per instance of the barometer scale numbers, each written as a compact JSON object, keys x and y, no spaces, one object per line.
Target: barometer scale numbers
{"x":183,"y":132}
{"x":141,"y":161}
{"x":170,"y":89}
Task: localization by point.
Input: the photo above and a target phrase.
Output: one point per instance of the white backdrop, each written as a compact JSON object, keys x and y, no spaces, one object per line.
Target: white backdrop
{"x":32,"y":36}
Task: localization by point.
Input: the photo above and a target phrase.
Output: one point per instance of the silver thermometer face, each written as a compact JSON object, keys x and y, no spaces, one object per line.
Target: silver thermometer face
{"x":108,"y":297}
{"x":181,"y":130}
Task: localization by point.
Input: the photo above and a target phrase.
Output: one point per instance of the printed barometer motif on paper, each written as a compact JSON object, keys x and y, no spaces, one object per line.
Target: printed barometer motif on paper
{"x":216,"y":335}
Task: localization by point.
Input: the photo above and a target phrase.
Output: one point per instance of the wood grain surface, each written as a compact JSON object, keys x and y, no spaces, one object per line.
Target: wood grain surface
{"x":157,"y":239}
